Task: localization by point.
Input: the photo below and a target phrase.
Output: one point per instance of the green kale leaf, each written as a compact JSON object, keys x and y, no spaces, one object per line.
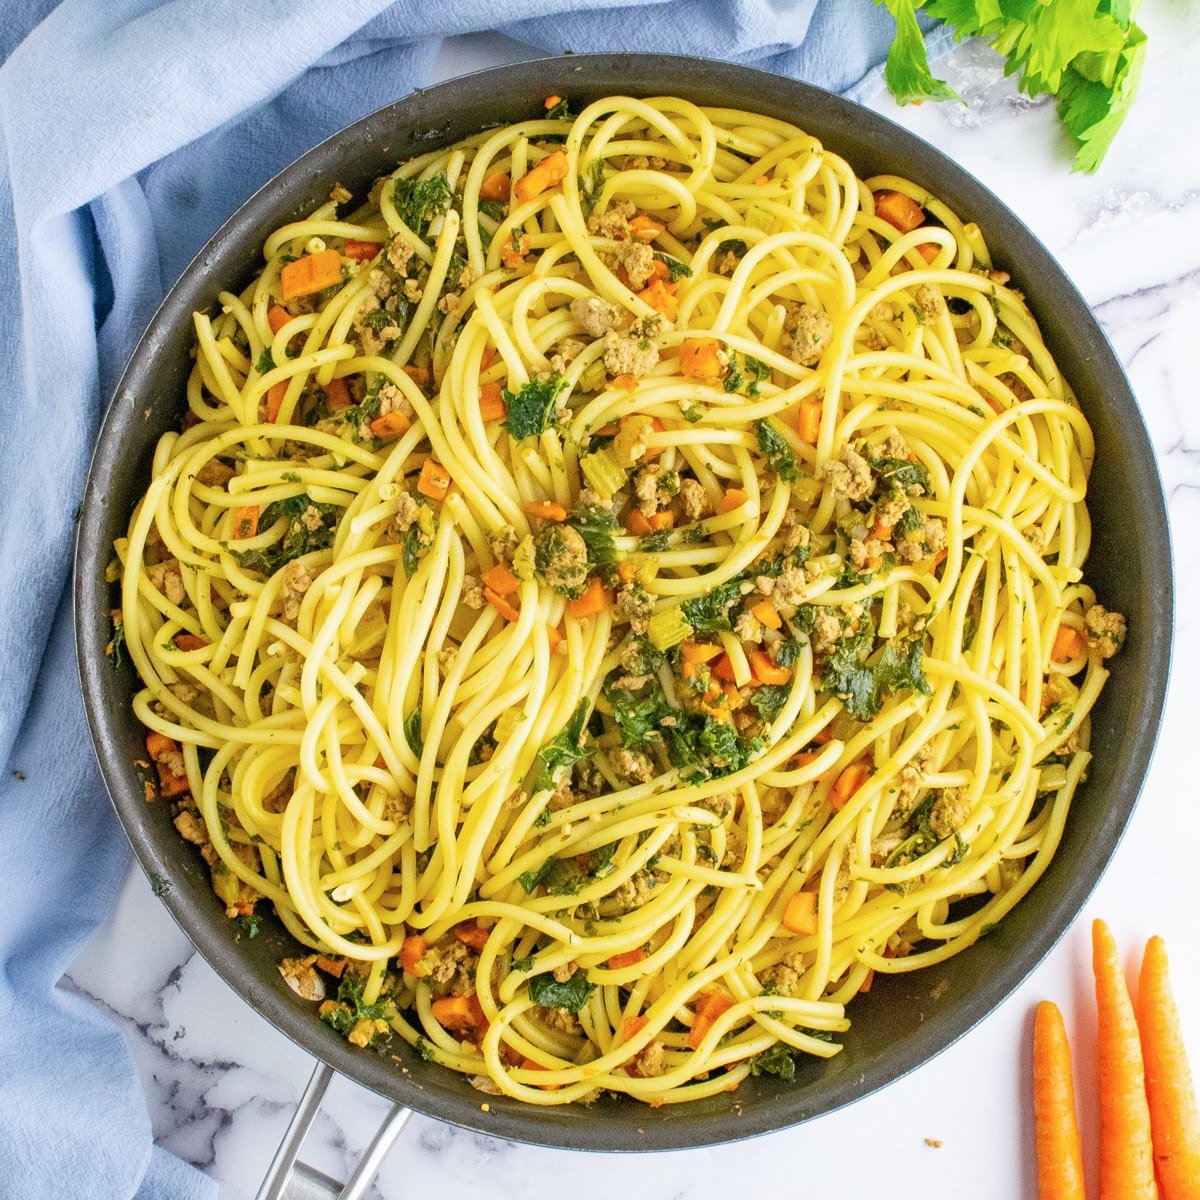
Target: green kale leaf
{"x":419,"y":201}
{"x":565,"y":750}
{"x":307,"y":526}
{"x":776,"y":451}
{"x":532,"y":410}
{"x":552,"y":993}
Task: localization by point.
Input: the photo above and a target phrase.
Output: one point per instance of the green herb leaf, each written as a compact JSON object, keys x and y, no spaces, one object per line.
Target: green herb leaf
{"x":898,"y":475}
{"x":308,"y":526}
{"x":590,"y":186}
{"x":532,"y":409}
{"x":116,"y":646}
{"x":551,"y":993}
{"x":710,"y":613}
{"x":418,"y":201}
{"x":769,"y":699}
{"x":412,"y":732}
{"x":266,"y":361}
{"x":560,"y":111}
{"x":567,"y":748}
{"x":907,"y":69}
{"x":777,"y":452}
{"x":676,"y":268}
{"x":598,"y":527}
{"x":778,"y":1060}
{"x":745,"y":374}
{"x":248,"y":924}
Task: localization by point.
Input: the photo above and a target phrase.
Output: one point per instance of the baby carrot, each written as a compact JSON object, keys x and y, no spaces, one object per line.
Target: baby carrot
{"x":1059,"y":1155}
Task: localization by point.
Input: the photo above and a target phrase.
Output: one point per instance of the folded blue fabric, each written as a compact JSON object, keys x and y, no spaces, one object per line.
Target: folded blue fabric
{"x":130,"y":130}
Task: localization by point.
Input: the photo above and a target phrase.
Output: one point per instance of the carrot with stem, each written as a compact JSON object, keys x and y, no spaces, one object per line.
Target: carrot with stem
{"x":1126,"y":1155}
{"x":1174,"y":1120}
{"x":1059,"y":1153}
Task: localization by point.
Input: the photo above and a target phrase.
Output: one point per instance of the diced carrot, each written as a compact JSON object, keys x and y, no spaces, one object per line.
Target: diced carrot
{"x":545,"y":510}
{"x":700,"y":358}
{"x":434,"y":480}
{"x":733,"y":697}
{"x":762,"y":180}
{"x":360,"y":251}
{"x":170,"y":784}
{"x":190,"y":641}
{"x":501,"y":580}
{"x":898,"y":210}
{"x":548,"y":173}
{"x":645,"y":228}
{"x":611,"y":430}
{"x":392,"y":425}
{"x":626,"y":571}
{"x":555,"y":636}
{"x":491,"y":402}
{"x":419,"y":374}
{"x":550,"y":102}
{"x":632,"y":1026}
{"x":496,"y":187}
{"x":1174,"y":1119}
{"x":1126,"y":1148}
{"x":881,"y":530}
{"x":808,"y":421}
{"x":804,"y":758}
{"x":1059,"y":1154}
{"x":593,"y":601}
{"x":656,"y":426}
{"x":637,"y":522}
{"x":502,"y":606}
{"x":158,"y":746}
{"x":659,"y":270}
{"x":275,"y":395}
{"x":868,"y":980}
{"x":709,"y":1006}
{"x":514,"y":251}
{"x":337,"y":394}
{"x":413,"y":949}
{"x":766,"y":671}
{"x":661,"y":521}
{"x":766,"y":614}
{"x":277,"y":317}
{"x":530,"y":1065}
{"x":245,"y":522}
{"x":625,"y":383}
{"x":331,"y":966}
{"x":311,"y":273}
{"x":699,"y":652}
{"x":459,"y":1014}
{"x":488,"y":357}
{"x":1069,"y":643}
{"x":628,"y":958}
{"x":928,"y":251}
{"x":660,"y":296}
{"x":800,"y":915}
{"x":722,"y":668}
{"x":847,"y":783}
{"x":471,"y":935}
{"x":732,"y":498}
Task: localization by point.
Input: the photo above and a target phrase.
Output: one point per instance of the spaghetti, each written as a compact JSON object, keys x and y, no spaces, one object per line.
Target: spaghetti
{"x":618,"y":588}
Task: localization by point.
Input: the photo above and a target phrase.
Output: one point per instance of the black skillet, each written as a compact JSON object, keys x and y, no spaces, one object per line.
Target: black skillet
{"x":906,"y":1019}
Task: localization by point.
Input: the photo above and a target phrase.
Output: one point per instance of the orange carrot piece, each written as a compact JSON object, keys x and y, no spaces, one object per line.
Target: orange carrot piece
{"x":1069,"y":643}
{"x":898,"y":210}
{"x":847,"y":783}
{"x":158,"y":746}
{"x":496,"y":187}
{"x":471,"y":935}
{"x":245,"y":522}
{"x":1059,"y":1155}
{"x":190,"y":641}
{"x":548,"y":173}
{"x":337,"y":394}
{"x":550,"y":102}
{"x":808,"y":421}
{"x":881,"y":530}
{"x":632,"y":1026}
{"x":593,"y":601}
{"x":699,"y":652}
{"x":412,"y":951}
{"x":709,"y":1006}
{"x":392,"y":425}
{"x":513,"y":254}
{"x":637,"y":523}
{"x":767,"y":615}
{"x":722,"y":668}
{"x":661,"y":521}
{"x":502,"y":606}
{"x":628,"y":958}
{"x":555,"y":636}
{"x":660,"y":295}
{"x":733,"y":498}
{"x":868,"y":980}
{"x":277,"y":317}
{"x":645,"y":228}
{"x":170,"y":784}
{"x":700,"y":358}
{"x":331,"y":966}
{"x":626,"y":571}
{"x":545,"y":510}
{"x":1174,"y":1119}
{"x":766,"y":671}
{"x":491,"y":402}
{"x":459,"y":1014}
{"x":800,"y":915}
{"x":420,"y":375}
{"x":359,"y":250}
{"x":434,"y":480}
{"x":501,"y":580}
{"x":1126,"y":1150}
{"x":625,"y":383}
{"x":762,"y":180}
{"x":928,"y":251}
{"x":275,"y":395}
{"x":311,"y":273}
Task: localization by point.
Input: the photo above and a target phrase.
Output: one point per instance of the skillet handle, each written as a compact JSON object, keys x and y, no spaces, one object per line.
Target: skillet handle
{"x":288,"y":1180}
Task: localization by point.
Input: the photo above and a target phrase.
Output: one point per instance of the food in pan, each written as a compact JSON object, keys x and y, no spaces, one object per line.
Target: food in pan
{"x":616,"y":590}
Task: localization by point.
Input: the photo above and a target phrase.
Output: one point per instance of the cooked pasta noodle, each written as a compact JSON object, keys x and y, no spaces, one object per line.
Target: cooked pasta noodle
{"x":618,"y":588}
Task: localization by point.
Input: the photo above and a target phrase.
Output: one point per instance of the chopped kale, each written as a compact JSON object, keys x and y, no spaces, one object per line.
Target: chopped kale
{"x":266,"y":361}
{"x":419,"y":201}
{"x":412,"y":732}
{"x":779,"y":1060}
{"x":248,"y":925}
{"x":426,"y":1050}
{"x":730,"y":245}
{"x":532,"y":880}
{"x":343,"y":1016}
{"x":646,"y":658}
{"x":598,"y":527}
{"x":571,"y":994}
{"x":777,"y":452}
{"x":308,"y":526}
{"x":493,"y":209}
{"x":864,"y":688}
{"x":746,"y":374}
{"x":769,"y":699}
{"x":676,"y":268}
{"x":565,"y":750}
{"x":532,"y":409}
{"x":788,"y":651}
{"x":560,"y":111}
{"x":418,"y":538}
{"x":638,"y":713}
{"x":602,"y":860}
{"x":898,"y":475}
{"x":911,"y":521}
{"x":590,"y":186}
{"x":653,"y":543}
{"x":522,"y":964}
{"x":710,"y":613}
{"x":560,"y":877}
{"x":116,"y":646}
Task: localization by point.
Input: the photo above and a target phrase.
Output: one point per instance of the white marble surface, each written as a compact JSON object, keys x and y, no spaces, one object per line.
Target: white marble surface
{"x":221,"y":1083}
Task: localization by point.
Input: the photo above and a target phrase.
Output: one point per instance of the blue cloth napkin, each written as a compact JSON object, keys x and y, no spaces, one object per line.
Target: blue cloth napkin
{"x":130,"y":130}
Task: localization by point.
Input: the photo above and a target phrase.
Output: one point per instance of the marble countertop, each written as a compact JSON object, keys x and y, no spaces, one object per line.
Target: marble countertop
{"x":222,"y":1083}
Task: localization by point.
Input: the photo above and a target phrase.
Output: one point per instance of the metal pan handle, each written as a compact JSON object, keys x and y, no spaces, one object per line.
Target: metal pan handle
{"x":286,"y":1179}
